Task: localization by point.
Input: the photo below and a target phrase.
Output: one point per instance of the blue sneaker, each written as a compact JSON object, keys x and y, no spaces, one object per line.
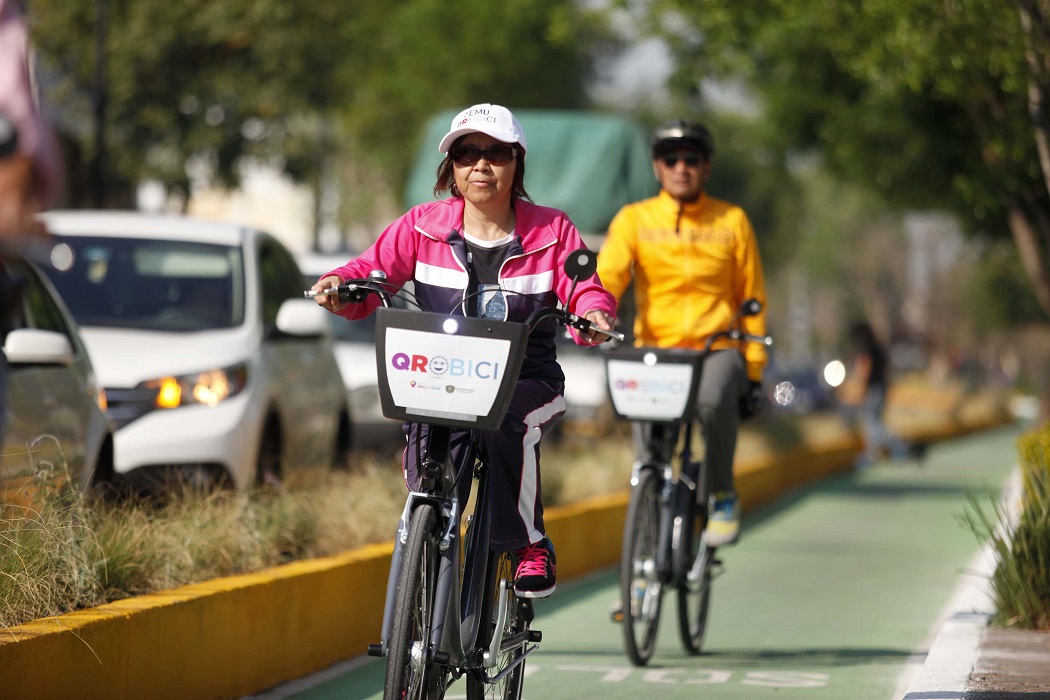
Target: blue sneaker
{"x":723,"y":527}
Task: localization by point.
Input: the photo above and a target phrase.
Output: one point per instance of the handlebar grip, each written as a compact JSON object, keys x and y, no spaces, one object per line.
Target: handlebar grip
{"x":617,"y":335}
{"x":762,"y":339}
{"x":310,"y":294}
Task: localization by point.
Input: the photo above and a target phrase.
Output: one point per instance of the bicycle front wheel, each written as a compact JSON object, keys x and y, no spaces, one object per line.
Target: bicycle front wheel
{"x":481,"y":685}
{"x":409,"y":671}
{"x":693,"y":562}
{"x":694,"y":597}
{"x":641,"y":590}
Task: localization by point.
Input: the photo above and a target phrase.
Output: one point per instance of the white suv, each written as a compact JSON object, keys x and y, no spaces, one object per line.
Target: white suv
{"x":214,"y":364}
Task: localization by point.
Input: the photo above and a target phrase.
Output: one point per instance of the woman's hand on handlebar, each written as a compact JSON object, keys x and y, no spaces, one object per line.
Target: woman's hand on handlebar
{"x":602,"y":320}
{"x":328,"y":301}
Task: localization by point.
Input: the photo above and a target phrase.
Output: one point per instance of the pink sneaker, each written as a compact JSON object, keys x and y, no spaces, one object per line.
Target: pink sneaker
{"x":535,"y":575}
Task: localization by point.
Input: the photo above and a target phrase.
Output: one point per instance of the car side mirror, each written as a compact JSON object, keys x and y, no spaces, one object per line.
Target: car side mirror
{"x":302,"y":318}
{"x":35,"y":346}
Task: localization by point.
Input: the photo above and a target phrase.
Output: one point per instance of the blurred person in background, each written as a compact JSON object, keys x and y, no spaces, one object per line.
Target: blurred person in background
{"x":29,"y":163}
{"x":29,"y":166}
{"x":694,"y":260}
{"x":870,"y":380}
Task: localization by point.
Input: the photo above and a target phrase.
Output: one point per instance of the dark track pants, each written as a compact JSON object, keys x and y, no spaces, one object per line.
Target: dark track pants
{"x":512,"y":455}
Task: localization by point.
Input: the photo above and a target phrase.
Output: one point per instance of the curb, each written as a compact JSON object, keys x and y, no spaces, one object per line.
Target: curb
{"x":952,"y":657}
{"x":232,"y":637}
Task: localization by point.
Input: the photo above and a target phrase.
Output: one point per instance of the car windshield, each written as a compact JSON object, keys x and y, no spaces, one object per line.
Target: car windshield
{"x":152,"y":284}
{"x":362,"y":331}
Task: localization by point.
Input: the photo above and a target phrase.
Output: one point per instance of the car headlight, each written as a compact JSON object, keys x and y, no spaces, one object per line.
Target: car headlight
{"x":207,"y":388}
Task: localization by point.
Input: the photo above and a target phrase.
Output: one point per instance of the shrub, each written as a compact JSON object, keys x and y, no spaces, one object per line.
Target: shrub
{"x":1021,"y":581}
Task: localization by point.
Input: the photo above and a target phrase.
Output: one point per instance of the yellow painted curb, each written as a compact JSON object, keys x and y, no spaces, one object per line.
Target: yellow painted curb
{"x":236,"y":636}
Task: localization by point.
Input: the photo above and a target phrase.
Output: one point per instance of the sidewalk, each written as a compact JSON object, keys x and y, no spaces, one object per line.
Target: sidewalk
{"x":968,"y":660}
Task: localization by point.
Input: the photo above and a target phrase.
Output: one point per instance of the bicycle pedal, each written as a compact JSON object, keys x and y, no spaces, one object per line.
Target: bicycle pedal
{"x":535,"y":636}
{"x":375,"y":650}
{"x":616,"y":615}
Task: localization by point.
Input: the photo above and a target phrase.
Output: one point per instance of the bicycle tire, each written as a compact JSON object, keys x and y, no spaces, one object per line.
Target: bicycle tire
{"x":408,"y":672}
{"x":519,"y":620}
{"x":641,"y":590}
{"x":694,"y":599}
{"x":692,"y":578}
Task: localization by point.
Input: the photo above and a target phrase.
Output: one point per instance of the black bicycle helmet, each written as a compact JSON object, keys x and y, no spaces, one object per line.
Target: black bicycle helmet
{"x":681,"y":132}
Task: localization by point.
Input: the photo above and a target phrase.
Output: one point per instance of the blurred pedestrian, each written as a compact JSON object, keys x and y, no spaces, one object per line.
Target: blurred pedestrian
{"x":694,"y":260}
{"x":29,"y":163}
{"x":870,"y":378}
{"x":29,"y":166}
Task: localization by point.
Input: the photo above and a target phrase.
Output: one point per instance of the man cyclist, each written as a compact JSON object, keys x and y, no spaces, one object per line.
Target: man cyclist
{"x":694,"y":260}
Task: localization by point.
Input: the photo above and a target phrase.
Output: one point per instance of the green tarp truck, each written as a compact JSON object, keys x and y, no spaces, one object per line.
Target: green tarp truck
{"x":588,"y":164}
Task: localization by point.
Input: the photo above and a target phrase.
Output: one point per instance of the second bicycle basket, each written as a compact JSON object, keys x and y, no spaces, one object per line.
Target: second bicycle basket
{"x":653,"y":384}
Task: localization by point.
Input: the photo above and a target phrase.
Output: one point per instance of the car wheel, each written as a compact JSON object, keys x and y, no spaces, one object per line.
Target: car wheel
{"x":100,"y":480}
{"x":343,"y":436}
{"x":268,"y":463}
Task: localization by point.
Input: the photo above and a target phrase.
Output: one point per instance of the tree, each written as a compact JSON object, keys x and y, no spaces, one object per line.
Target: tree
{"x":432,"y":55}
{"x":186,"y":81}
{"x":936,"y":103}
{"x":207,"y":83}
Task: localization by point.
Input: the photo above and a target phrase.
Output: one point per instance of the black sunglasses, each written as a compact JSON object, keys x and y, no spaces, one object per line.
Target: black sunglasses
{"x":690,"y":161}
{"x":465,"y":156}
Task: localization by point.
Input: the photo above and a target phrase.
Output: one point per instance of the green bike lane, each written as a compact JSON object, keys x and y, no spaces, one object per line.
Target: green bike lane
{"x":834,"y":592}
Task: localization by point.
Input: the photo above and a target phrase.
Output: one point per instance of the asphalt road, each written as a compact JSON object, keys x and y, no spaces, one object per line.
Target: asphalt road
{"x":833,"y":593}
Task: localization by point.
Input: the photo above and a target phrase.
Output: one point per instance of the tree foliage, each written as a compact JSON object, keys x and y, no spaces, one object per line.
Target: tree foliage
{"x":936,"y":103}
{"x":191,"y":79}
{"x":212,"y":81}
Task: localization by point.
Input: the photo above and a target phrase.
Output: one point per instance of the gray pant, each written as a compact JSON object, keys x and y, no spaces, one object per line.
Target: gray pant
{"x":722,"y":385}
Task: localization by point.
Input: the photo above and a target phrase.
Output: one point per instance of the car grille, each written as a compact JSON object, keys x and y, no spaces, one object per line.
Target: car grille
{"x":127,"y":405}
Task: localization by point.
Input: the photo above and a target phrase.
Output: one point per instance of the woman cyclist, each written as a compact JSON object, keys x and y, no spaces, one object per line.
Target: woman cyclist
{"x":488,"y":251}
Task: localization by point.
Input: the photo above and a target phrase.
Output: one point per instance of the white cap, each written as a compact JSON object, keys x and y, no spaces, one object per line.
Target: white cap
{"x":494,"y":120}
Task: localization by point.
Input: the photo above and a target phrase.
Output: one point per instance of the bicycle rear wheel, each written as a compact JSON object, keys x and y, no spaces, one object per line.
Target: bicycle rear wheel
{"x":516,"y":636}
{"x":693,"y":563}
{"x":641,"y":590}
{"x":409,"y":671}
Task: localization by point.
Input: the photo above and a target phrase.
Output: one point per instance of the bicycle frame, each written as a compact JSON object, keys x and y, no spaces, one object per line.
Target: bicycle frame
{"x":664,"y":541}
{"x":452,"y":372}
{"x":662,"y":442}
{"x":458,"y":602}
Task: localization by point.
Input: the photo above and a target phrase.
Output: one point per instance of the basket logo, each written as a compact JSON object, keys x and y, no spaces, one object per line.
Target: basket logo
{"x":650,"y":386}
{"x":440,"y":365}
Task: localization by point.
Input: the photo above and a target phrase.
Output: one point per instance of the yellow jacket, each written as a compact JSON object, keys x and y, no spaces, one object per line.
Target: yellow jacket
{"x":693,"y":266}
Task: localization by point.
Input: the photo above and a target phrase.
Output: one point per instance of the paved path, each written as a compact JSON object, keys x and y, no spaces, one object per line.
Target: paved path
{"x":833,"y":593}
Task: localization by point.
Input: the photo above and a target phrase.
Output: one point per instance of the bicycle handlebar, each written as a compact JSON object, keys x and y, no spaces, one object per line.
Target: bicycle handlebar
{"x":355,"y":291}
{"x":737,"y":335}
{"x":567,"y":318}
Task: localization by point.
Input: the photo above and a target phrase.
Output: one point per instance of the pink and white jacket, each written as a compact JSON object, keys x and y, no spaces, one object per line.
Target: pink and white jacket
{"x":425,"y":245}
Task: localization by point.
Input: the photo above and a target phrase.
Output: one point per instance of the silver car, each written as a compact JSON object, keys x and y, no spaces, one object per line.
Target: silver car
{"x":214,"y":365}
{"x":54,"y":417}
